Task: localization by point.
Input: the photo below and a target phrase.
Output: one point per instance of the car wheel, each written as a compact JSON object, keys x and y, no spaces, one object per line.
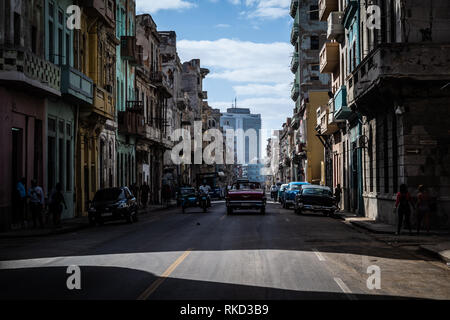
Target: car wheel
{"x":298,"y":211}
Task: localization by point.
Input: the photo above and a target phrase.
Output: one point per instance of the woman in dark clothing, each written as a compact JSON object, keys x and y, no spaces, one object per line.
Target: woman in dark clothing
{"x":56,"y":205}
{"x":404,"y":211}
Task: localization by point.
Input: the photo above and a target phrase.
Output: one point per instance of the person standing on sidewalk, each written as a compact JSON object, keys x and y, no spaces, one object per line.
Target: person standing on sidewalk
{"x":423,"y":209}
{"x":337,"y":195}
{"x":402,"y":205}
{"x":37,"y":201}
{"x":56,"y":204}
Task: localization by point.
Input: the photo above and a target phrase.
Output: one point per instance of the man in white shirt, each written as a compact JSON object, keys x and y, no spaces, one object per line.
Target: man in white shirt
{"x":37,"y":201}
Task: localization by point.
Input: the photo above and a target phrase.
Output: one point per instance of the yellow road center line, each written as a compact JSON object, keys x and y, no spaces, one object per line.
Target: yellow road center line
{"x":144,"y":295}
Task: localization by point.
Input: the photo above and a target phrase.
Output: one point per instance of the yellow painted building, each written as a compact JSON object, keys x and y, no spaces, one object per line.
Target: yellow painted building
{"x":94,"y":56}
{"x":314,"y":148}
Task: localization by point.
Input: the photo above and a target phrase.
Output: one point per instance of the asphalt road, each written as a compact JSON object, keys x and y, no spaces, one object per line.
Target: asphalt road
{"x":170,"y":255}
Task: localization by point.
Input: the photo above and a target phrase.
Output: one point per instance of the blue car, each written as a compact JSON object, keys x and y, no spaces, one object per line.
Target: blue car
{"x":290,"y":193}
{"x":281,"y":193}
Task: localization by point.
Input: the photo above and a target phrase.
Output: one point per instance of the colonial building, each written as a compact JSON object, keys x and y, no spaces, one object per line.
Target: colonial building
{"x":309,"y":88}
{"x":387,"y":74}
{"x":94,"y":57}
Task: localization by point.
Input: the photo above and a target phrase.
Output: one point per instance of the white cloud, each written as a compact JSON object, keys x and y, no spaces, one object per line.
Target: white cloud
{"x":241,"y":61}
{"x":153,"y":6}
{"x":259,"y":72}
{"x":265,"y":9}
{"x":222,"y":25}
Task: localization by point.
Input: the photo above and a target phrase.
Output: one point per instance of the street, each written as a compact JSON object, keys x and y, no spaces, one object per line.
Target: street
{"x":169,"y":255}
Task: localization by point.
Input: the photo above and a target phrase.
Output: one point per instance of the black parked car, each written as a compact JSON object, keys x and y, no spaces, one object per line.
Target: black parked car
{"x":315,"y":198}
{"x":113,"y":204}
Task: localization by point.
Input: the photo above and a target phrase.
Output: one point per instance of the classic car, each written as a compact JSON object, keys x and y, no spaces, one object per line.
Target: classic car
{"x":113,"y":204}
{"x":315,"y":198}
{"x":246,"y":195}
{"x":290,"y":193}
{"x":281,"y":192}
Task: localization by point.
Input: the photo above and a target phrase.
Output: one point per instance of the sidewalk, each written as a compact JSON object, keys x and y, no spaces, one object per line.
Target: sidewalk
{"x":438,"y":246}
{"x":70,"y":225}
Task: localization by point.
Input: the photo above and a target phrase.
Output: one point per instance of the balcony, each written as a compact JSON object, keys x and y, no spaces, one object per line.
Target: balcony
{"x":295,"y":91}
{"x":293,"y":9}
{"x":335,"y":29}
{"x":103,"y":9}
{"x":294,"y":33}
{"x":159,"y":79}
{"x":329,"y":57}
{"x":294,"y":62}
{"x":341,"y":110}
{"x":327,"y":6}
{"x":24,"y":68}
{"x":131,"y":121}
{"x":333,"y":125}
{"x":390,"y":64}
{"x":76,"y":86}
{"x":104,"y":103}
{"x":130,"y":51}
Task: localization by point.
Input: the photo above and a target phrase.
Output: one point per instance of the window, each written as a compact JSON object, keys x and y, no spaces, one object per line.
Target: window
{"x":314,"y":42}
{"x":67,"y":49}
{"x":34,"y":39}
{"x":68,"y":165}
{"x":16,"y":29}
{"x":314,"y":12}
{"x":315,"y":67}
{"x":51,"y":44}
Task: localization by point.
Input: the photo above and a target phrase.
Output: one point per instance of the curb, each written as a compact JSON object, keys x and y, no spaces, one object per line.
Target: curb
{"x":435,"y":253}
{"x":68,"y":229}
{"x":366,"y":227}
{"x":49,"y":233}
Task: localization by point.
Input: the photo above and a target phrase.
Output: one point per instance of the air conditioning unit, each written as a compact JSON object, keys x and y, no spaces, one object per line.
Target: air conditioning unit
{"x":336,"y":26}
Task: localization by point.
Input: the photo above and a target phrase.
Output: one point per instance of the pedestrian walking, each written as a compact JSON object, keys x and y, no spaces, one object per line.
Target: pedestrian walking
{"x":20,"y":200}
{"x":56,"y":204}
{"x":37,"y":201}
{"x":337,"y":196}
{"x":145,"y":190}
{"x":423,"y":208}
{"x":402,"y":205}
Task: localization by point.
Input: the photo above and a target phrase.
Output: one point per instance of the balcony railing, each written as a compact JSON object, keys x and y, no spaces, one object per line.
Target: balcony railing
{"x":294,"y":62}
{"x":76,"y":85}
{"x":294,"y":7}
{"x":131,"y":123}
{"x":104,"y":9}
{"x":329,"y":57}
{"x":336,"y":28}
{"x":104,"y":103}
{"x":397,"y":61}
{"x":294,"y":33}
{"x":25,"y":68}
{"x":341,"y":109}
{"x":160,"y":80}
{"x":130,"y":51}
{"x":295,"y":91}
{"x":135,"y":106}
{"x":327,"y":6}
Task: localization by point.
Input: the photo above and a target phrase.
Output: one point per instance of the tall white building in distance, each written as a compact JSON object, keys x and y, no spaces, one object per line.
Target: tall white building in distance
{"x":247,"y":147}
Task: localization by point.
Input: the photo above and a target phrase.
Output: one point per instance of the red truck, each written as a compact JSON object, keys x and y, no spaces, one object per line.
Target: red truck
{"x":246,"y":195}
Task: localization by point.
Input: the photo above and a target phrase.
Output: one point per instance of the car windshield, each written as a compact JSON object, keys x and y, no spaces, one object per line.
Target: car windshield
{"x":246,"y":186}
{"x":295,"y":187}
{"x":317,"y":192}
{"x":187,"y":191}
{"x":109,"y":195}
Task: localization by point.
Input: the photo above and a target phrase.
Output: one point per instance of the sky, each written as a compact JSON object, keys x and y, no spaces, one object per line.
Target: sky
{"x":245,"y":45}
